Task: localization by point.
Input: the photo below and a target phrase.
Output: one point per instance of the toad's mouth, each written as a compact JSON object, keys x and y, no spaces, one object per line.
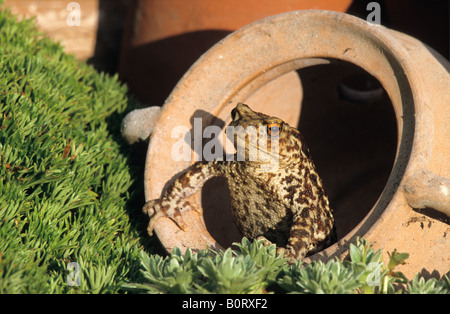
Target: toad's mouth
{"x":255,"y":149}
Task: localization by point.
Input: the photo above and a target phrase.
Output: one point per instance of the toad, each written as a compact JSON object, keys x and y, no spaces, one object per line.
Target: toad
{"x":275,"y":191}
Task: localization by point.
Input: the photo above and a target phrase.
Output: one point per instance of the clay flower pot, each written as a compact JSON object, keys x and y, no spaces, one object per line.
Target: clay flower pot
{"x":167,"y":37}
{"x":255,"y":65}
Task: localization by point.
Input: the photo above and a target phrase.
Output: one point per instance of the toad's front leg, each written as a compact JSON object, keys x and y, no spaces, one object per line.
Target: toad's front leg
{"x":174,"y":198}
{"x":163,"y":207}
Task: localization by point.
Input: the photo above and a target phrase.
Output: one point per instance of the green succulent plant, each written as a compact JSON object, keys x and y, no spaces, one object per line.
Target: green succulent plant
{"x":255,"y":268}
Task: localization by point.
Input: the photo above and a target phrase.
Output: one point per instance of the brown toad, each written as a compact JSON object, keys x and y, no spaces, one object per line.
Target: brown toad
{"x":275,"y":191}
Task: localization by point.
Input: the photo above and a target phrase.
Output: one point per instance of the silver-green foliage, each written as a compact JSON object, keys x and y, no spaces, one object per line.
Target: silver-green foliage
{"x":248,"y":271}
{"x":432,"y":286}
{"x":256,"y":268}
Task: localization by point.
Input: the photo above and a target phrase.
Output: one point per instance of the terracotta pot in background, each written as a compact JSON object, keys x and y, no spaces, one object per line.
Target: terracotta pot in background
{"x":163,"y":38}
{"x":416,"y":81}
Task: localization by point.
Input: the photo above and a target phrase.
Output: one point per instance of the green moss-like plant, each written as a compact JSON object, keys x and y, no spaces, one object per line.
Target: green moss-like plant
{"x":65,"y":177}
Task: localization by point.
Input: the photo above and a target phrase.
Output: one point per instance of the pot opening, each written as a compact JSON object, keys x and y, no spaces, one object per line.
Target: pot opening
{"x":349,"y":125}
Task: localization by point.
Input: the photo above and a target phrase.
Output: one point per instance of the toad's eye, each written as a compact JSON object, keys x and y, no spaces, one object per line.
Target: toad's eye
{"x":234,"y":114}
{"x":274,"y":129}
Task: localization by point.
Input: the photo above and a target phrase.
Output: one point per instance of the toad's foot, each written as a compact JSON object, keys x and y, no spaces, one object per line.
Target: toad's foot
{"x":289,"y":252}
{"x":163,"y":208}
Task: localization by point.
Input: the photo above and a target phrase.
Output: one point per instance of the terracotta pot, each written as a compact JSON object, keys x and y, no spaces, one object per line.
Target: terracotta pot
{"x":249,"y":60}
{"x":163,"y":38}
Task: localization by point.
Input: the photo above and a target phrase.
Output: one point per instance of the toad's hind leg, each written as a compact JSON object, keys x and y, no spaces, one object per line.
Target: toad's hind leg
{"x":300,"y":240}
